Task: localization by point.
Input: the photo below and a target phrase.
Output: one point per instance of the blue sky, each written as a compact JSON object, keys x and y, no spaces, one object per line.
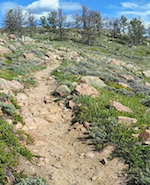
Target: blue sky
{"x":115,"y":8}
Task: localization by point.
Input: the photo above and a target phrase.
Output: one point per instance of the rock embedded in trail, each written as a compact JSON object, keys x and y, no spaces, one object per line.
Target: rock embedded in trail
{"x":74,"y":126}
{"x":63,"y":90}
{"x":47,"y":99}
{"x":21,"y":96}
{"x":89,"y":154}
{"x":70,"y":104}
{"x":86,"y":125}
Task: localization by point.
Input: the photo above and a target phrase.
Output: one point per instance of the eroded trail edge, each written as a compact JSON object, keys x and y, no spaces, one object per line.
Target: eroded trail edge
{"x":67,"y":157}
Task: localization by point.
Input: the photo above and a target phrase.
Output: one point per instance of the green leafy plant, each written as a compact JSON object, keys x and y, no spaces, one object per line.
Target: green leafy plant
{"x":10,"y":149}
{"x":17,"y":118}
{"x":32,"y":181}
{"x":8,"y":109}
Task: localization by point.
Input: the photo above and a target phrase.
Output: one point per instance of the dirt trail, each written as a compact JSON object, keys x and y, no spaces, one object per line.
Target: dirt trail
{"x":68,"y":158}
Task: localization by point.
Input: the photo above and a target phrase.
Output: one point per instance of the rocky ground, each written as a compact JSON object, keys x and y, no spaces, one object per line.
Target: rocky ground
{"x":67,"y":155}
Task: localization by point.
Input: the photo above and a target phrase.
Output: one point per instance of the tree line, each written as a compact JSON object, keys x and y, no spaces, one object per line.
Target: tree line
{"x":88,"y":23}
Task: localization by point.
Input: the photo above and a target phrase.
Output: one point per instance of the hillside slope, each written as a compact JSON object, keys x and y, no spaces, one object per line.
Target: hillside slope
{"x":86,"y":108}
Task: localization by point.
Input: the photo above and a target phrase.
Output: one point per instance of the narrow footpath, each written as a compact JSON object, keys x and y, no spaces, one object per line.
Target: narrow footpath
{"x":67,"y":157}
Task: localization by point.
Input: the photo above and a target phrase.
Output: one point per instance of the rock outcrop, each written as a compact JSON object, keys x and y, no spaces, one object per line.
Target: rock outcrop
{"x":93,"y":80}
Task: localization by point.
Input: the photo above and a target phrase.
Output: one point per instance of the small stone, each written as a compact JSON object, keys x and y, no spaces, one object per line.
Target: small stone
{"x":119,"y":107}
{"x":10,"y":85}
{"x":74,"y":84}
{"x":12,"y":37}
{"x":40,"y":143}
{"x":63,"y":90}
{"x":147,"y":84}
{"x":89,"y":155}
{"x":104,"y":161}
{"x":146,"y":73}
{"x":52,"y":177}
{"x":48,"y":118}
{"x":82,"y":155}
{"x":74,"y":126}
{"x":94,"y":178}
{"x":79,"y":128}
{"x":47,"y":100}
{"x":126,"y":120}
{"x":93,"y":81}
{"x":129,"y":77}
{"x":136,"y":128}
{"x":145,"y":135}
{"x":86,"y":125}
{"x":46,"y":161}
{"x":86,"y":89}
{"x":21,"y":96}
{"x":12,"y":48}
{"x":28,"y":55}
{"x":135,"y":135}
{"x":71,"y":104}
{"x":115,"y":62}
{"x":57,"y":165}
{"x":84,"y":130}
{"x":19,"y":126}
{"x":24,"y":128}
{"x":147,"y":142}
{"x":123,"y":84}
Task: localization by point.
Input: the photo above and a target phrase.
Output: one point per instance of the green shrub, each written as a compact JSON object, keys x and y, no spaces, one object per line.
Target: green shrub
{"x":10,"y":149}
{"x":31,"y":181}
{"x":17,"y":118}
{"x":8,"y":109}
{"x":146,"y":101}
{"x":4,"y":97}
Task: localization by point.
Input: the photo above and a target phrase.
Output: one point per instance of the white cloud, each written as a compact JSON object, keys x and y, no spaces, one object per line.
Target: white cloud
{"x":70,"y":6}
{"x":38,"y":15}
{"x":129,"y":5}
{"x":43,"y":6}
{"x":133,"y":10}
{"x":136,"y":13}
